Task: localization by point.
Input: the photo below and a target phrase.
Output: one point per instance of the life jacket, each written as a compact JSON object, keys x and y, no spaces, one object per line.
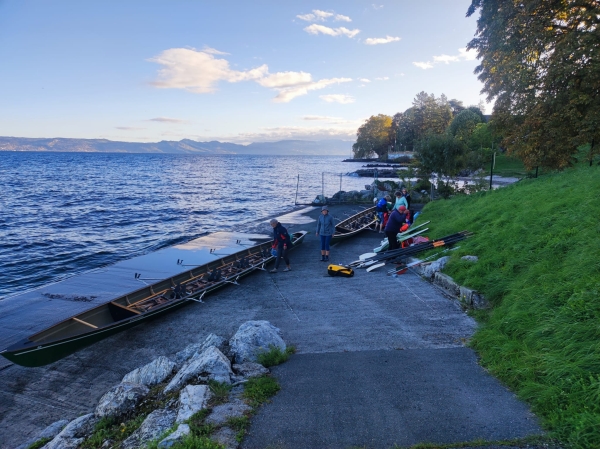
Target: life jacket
{"x":381,"y":205}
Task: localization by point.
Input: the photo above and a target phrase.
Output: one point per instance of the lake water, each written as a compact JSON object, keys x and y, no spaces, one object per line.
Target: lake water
{"x":66,"y":213}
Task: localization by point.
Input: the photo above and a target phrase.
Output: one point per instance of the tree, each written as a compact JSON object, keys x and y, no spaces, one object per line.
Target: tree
{"x":540,"y":60}
{"x":374,"y":137}
{"x":440,"y":153}
{"x":464,"y":124}
{"x":427,"y":115}
{"x":456,"y":106}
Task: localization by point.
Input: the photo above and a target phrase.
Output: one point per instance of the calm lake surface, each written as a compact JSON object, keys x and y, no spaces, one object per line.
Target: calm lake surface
{"x":67,"y":213}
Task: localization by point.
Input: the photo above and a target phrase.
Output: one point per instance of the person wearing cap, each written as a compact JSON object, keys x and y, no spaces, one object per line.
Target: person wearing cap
{"x":392,"y":228}
{"x":325,"y":229}
{"x":283,"y":243}
{"x":382,"y":207}
{"x":400,"y":200}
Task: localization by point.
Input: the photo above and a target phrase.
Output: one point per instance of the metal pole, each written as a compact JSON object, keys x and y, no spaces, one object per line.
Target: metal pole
{"x":492,"y":169}
{"x":340,"y":183}
{"x":323,"y":186}
{"x":297,"y":185}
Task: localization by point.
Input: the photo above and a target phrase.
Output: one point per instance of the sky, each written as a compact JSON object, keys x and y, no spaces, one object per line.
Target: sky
{"x":234,"y":71}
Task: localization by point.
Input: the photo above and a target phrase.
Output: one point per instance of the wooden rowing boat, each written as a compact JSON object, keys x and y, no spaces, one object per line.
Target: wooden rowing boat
{"x":354,"y":224}
{"x":151,"y":301}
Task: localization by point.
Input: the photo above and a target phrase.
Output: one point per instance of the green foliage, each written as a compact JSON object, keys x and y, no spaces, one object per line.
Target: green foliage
{"x":39,"y":443}
{"x":538,"y":244}
{"x":463,"y":125}
{"x":220,"y":392}
{"x":275,"y":356}
{"x":374,"y":137}
{"x":259,"y":389}
{"x":539,"y":63}
{"x":440,"y":153}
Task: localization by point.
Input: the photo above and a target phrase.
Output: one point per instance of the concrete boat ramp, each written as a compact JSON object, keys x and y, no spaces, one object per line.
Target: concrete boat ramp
{"x":380,"y":360}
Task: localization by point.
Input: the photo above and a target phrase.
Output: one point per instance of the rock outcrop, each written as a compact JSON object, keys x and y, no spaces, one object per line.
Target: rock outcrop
{"x":151,"y":374}
{"x":252,"y":338}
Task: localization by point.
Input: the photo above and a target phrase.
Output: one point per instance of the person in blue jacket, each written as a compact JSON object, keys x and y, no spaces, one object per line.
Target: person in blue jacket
{"x":283,"y":242}
{"x":325,"y":229}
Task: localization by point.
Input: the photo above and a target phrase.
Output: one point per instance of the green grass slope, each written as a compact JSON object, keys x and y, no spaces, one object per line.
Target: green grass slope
{"x":538,"y":243}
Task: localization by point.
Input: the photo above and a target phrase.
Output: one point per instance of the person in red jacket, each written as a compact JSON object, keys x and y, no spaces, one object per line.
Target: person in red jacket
{"x":395,"y":222}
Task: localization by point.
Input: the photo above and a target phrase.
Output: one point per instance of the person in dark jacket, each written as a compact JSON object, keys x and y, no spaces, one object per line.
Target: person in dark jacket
{"x":395,"y":222}
{"x":325,"y":229}
{"x":283,"y":243}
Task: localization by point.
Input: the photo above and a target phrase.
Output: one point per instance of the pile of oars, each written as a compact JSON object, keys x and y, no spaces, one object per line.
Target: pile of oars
{"x":397,"y":255}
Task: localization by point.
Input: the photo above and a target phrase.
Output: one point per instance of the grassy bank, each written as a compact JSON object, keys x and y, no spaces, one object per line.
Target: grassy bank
{"x":538,"y":244}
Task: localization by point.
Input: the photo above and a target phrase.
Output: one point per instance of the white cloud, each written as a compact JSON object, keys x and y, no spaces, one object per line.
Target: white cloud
{"x":337,"y":98}
{"x":376,"y":7}
{"x":321,"y":16}
{"x":296,"y":133}
{"x":289,"y":93}
{"x":199,"y":72}
{"x":285,"y":79}
{"x":166,"y":120}
{"x":213,"y":51}
{"x":342,"y":18}
{"x":424,"y":65}
{"x":445,"y":58}
{"x":128,"y":128}
{"x":381,"y":40}
{"x":383,"y":78}
{"x":467,"y":55}
{"x":463,"y":55}
{"x":319,"y":117}
{"x":316,"y":29}
{"x":364,"y":80}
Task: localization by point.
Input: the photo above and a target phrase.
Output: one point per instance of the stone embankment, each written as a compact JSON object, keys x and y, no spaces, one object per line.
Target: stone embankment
{"x":432,"y":271}
{"x":167,"y":393}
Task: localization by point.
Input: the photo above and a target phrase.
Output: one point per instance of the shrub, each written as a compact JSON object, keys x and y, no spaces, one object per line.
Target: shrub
{"x":275,"y":356}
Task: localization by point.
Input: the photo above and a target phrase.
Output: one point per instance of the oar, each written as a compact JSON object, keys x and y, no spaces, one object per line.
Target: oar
{"x":419,"y":262}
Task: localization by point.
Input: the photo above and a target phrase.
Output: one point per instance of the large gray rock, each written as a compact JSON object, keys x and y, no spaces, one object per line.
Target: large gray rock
{"x":49,"y":432}
{"x":74,"y":433}
{"x":155,"y":424}
{"x":434,"y":267}
{"x":182,"y":431}
{"x":211,"y":340}
{"x":210,"y":362}
{"x":192,"y":399}
{"x":121,"y":399}
{"x":151,"y":374}
{"x":250,"y":369}
{"x":252,"y":338}
{"x":221,"y":413}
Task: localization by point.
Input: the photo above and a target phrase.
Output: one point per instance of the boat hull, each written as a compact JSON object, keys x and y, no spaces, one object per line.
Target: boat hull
{"x":32,"y":353}
{"x":354,"y":225}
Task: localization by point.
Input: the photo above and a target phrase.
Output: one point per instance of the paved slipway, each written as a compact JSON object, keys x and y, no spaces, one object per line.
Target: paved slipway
{"x":380,"y":361}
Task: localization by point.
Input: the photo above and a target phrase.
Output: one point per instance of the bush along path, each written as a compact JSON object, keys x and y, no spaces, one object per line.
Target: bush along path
{"x":203,"y":399}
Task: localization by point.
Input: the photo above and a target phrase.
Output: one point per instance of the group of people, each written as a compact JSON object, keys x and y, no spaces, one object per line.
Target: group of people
{"x":394,"y":217}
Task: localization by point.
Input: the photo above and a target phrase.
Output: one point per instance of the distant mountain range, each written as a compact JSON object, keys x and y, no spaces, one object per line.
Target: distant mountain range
{"x":185,"y":146}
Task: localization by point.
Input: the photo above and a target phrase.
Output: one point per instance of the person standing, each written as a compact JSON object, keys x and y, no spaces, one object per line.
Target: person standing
{"x":325,"y":229}
{"x":395,"y":222}
{"x":406,"y":196}
{"x":381,"y":208}
{"x":400,"y":200}
{"x":283,"y":242}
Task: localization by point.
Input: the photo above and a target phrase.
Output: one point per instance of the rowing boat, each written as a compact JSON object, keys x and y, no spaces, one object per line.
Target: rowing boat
{"x":151,"y":301}
{"x":354,"y":224}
